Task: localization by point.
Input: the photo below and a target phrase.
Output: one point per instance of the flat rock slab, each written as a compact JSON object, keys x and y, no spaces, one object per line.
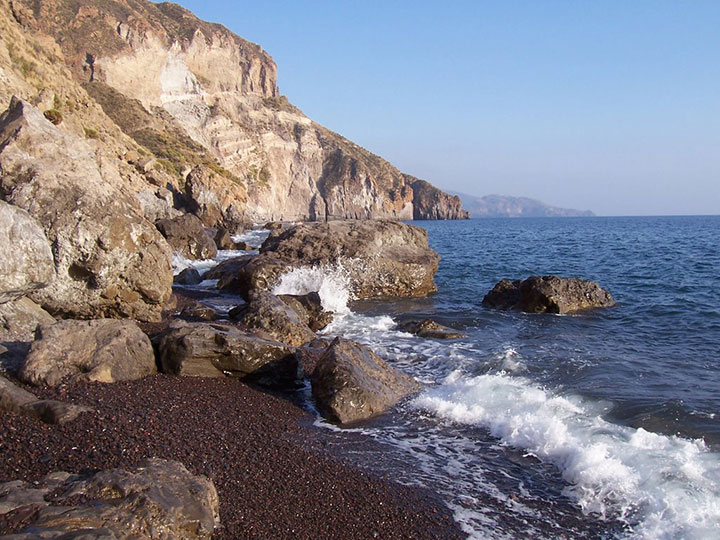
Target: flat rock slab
{"x":548,"y":294}
{"x":158,"y":500}
{"x":19,"y":401}
{"x":102,"y":350}
{"x":215,"y":350}
{"x":352,"y":383}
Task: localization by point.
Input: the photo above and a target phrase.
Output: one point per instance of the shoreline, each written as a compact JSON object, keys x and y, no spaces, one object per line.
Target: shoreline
{"x":274,"y":474}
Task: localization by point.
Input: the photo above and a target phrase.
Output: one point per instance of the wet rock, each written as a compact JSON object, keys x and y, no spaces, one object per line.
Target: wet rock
{"x":548,"y":294}
{"x":186,"y":236}
{"x":199,"y":311}
{"x":223,"y":240}
{"x":273,"y":226}
{"x":103,"y":350}
{"x":270,"y":317}
{"x":19,"y":401}
{"x":352,"y":383}
{"x":244,"y":246}
{"x":19,"y":319}
{"x":216,"y":200}
{"x":27,"y":262}
{"x":108,"y":259}
{"x":249,"y":273}
{"x":158,"y":500}
{"x":309,"y":354}
{"x":428,"y":328}
{"x":189,"y":276}
{"x":380,"y":258}
{"x":309,"y":308}
{"x":211,"y":350}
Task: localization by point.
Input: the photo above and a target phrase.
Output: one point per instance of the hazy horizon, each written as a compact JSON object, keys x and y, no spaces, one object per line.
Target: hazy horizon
{"x":610,"y":107}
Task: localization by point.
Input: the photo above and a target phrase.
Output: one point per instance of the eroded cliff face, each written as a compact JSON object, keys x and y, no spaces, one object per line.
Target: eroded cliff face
{"x":216,"y":95}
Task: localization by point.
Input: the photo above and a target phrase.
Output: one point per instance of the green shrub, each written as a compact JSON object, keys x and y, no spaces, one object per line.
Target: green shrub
{"x":90,"y":133}
{"x":54,"y":116}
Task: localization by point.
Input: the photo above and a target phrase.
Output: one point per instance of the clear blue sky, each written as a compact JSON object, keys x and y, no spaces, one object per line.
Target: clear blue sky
{"x":612,"y":106}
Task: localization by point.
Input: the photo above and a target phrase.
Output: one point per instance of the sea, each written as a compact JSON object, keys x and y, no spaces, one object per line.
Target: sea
{"x":603,"y":424}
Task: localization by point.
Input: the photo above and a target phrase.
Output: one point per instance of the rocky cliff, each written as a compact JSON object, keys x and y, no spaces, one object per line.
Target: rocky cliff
{"x":194,"y":97}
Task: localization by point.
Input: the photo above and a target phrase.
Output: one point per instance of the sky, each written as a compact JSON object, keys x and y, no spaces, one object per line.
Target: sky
{"x":609,"y":106}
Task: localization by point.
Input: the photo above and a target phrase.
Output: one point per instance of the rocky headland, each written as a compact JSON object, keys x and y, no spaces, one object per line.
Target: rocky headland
{"x":134,"y":134}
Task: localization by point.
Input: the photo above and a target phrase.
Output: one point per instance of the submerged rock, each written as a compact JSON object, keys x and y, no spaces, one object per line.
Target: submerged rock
{"x":157,"y":500}
{"x":428,"y":328}
{"x":187,"y":236}
{"x":102,"y":350}
{"x":214,"y":350}
{"x":108,"y":259}
{"x":548,"y":294}
{"x":352,"y":383}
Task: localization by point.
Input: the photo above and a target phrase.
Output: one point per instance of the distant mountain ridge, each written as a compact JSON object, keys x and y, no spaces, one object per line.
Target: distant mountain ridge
{"x":491,"y":206}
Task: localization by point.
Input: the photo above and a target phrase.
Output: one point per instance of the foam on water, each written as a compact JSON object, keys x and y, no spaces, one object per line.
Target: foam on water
{"x":663,"y":487}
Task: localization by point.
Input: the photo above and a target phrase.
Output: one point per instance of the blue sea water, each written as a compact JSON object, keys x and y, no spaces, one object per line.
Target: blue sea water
{"x":602,"y":424}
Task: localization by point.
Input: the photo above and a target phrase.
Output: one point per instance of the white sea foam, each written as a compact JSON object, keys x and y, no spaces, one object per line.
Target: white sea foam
{"x":180,"y":262}
{"x":330,"y":282}
{"x":664,"y":487}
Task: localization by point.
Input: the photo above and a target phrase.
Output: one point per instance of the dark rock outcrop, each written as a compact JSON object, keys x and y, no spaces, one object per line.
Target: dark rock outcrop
{"x":352,"y":383}
{"x":102,"y":350}
{"x":108,"y":259}
{"x":187,"y":236}
{"x":27,"y":262}
{"x":214,"y":350}
{"x":189,"y":276}
{"x":223,"y":240}
{"x":431,"y":203}
{"x":548,"y":294}
{"x":428,"y":328}
{"x":158,"y":500}
{"x":19,"y":401}
{"x":270,"y":317}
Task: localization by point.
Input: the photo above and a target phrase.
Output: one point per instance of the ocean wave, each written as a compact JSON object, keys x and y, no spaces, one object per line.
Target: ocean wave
{"x":662,"y":486}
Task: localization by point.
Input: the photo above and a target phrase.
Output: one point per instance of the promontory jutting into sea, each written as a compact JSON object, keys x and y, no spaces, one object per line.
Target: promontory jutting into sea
{"x":222,"y":320}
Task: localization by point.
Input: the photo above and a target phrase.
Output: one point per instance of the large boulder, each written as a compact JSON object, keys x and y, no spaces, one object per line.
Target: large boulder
{"x":187,"y":236}
{"x":27,"y":262}
{"x":157,"y":500}
{"x":249,"y":273}
{"x":108,"y":259}
{"x":270,"y":317}
{"x":548,"y":294}
{"x":102,"y":350}
{"x":352,"y":383}
{"x":214,"y":350}
{"x":380,"y":257}
{"x":217,"y":200}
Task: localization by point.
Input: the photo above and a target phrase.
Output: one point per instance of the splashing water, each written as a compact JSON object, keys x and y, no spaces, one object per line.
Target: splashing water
{"x":332,"y":283}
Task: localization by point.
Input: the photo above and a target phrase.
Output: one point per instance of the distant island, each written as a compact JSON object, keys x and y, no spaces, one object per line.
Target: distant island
{"x":491,"y":206}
